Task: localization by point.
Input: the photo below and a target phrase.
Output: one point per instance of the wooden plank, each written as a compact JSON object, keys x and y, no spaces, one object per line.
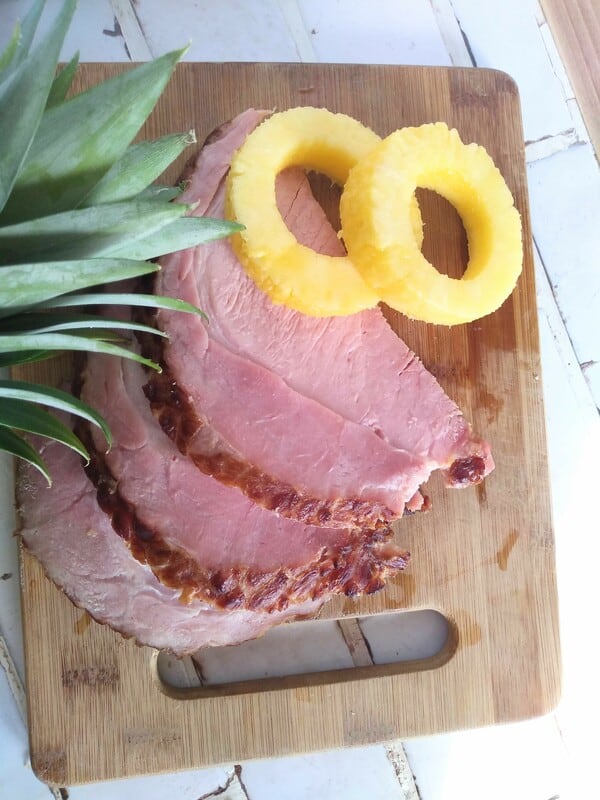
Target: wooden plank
{"x":131,"y":30}
{"x":356,"y":642}
{"x":575,"y":25}
{"x":484,"y":557}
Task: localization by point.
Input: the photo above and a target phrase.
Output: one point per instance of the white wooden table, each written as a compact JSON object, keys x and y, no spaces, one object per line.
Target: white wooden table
{"x":536,"y":760}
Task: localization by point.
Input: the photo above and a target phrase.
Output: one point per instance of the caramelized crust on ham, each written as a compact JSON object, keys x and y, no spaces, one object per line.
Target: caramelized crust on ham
{"x":331,"y":421}
{"x":276,"y":444}
{"x":206,"y":539}
{"x":65,"y":528}
{"x":178,"y":419}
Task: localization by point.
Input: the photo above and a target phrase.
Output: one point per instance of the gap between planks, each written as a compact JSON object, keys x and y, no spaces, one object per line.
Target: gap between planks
{"x":548,"y":306}
{"x":461,"y":55}
{"x":233,"y":789}
{"x":575,"y":26}
{"x":301,"y":37}
{"x":360,"y":652}
{"x":131,"y":30}
{"x":12,"y":676}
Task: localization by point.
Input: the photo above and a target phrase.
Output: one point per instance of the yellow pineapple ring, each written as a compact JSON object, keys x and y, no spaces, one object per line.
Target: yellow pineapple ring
{"x":377,"y":228}
{"x":290,"y":273}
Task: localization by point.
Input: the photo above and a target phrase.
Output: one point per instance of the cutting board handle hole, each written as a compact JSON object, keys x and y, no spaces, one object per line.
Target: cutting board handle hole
{"x":312,"y":653}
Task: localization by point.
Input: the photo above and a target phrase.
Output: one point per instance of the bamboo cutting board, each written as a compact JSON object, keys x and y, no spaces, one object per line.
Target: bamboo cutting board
{"x":484,"y":557}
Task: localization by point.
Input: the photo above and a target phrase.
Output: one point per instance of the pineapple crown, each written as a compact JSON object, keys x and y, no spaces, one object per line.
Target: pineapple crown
{"x":79,"y":208}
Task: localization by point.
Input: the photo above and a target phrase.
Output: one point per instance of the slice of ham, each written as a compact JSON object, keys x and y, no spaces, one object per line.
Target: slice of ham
{"x":205,"y":538}
{"x":65,"y":528}
{"x":332,"y":421}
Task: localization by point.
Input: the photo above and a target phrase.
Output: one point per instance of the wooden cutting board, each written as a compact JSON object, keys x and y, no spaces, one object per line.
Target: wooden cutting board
{"x":484,"y":557}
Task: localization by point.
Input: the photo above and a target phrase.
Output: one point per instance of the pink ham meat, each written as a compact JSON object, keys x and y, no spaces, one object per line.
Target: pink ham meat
{"x":65,"y":528}
{"x":207,"y":539}
{"x":328,"y":420}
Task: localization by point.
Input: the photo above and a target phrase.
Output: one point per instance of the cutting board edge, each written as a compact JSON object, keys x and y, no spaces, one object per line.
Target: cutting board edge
{"x":406,"y":69}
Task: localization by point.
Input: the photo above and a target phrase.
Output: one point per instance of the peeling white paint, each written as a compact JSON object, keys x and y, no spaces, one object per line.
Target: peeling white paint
{"x":131,"y":29}
{"x":549,"y":145}
{"x":298,"y":31}
{"x":397,"y":758}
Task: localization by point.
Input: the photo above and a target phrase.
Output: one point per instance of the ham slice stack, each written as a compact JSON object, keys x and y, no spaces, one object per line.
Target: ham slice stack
{"x":258,"y":475}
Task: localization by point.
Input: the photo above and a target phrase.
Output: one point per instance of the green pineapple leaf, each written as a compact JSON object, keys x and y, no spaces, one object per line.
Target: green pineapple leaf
{"x":79,"y":140}
{"x":20,"y":43}
{"x":159,"y":192}
{"x":23,"y":96}
{"x":8,"y":55}
{"x":25,"y":285}
{"x":24,"y":357}
{"x":178,"y":235}
{"x":86,"y":232}
{"x":62,"y":82}
{"x":53,"y":398}
{"x":125,"y":299}
{"x":141,"y":164}
{"x":24,"y":416}
{"x":28,"y":28}
{"x":12,"y":443}
{"x":12,"y":343}
{"x":53,"y":322}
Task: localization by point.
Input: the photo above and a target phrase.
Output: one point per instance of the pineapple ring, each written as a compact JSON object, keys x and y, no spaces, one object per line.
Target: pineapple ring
{"x":290,"y":273}
{"x":376,"y":225}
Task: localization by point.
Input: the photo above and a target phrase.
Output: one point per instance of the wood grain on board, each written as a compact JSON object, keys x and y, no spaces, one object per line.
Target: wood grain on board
{"x":484,"y":557}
